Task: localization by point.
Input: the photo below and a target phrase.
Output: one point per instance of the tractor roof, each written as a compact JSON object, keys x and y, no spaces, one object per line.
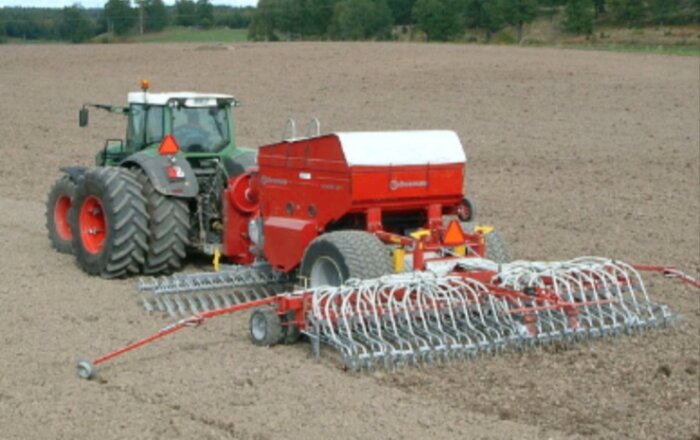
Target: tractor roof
{"x":198,"y":99}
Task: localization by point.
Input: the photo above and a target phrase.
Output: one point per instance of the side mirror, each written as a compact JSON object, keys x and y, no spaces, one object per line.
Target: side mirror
{"x":83,"y":117}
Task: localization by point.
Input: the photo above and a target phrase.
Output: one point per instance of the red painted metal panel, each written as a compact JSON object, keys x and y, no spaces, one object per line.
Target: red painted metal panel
{"x":285,"y":241}
{"x":236,"y":242}
{"x":306,"y":184}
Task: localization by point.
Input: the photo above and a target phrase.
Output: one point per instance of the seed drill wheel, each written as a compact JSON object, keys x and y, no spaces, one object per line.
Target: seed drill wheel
{"x":109,"y":223}
{"x":496,"y":247}
{"x":333,"y":258}
{"x":266,"y":327}
{"x":168,"y":227}
{"x":57,"y":221}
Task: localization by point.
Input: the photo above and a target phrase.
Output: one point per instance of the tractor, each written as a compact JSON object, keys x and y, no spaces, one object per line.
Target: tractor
{"x":157,"y":195}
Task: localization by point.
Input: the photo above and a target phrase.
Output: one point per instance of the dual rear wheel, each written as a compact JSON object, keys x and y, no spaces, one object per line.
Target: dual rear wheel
{"x":116,"y":224}
{"x":57,"y":208}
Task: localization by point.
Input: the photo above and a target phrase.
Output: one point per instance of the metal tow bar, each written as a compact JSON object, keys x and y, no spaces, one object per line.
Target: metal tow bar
{"x":88,"y":369}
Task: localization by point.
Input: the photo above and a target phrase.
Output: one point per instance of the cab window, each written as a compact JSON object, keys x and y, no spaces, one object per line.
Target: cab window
{"x":201,"y":129}
{"x":145,"y":126}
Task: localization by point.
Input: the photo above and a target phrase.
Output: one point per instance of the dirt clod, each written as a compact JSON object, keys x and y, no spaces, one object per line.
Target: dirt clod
{"x":664,"y":370}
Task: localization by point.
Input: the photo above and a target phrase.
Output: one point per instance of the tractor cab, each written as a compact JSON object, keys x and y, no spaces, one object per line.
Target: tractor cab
{"x":200,"y":124}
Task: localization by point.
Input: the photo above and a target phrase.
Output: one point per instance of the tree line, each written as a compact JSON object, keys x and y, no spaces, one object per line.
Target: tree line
{"x":117,"y":17}
{"x":446,"y":20}
{"x":438,"y":20}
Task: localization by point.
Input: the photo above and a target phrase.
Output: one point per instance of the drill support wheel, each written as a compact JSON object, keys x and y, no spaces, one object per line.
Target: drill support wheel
{"x":266,"y":327}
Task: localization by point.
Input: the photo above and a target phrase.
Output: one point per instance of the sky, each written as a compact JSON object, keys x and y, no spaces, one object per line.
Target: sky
{"x":100,"y":3}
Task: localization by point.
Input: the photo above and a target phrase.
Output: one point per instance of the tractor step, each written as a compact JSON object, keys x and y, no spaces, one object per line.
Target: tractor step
{"x":183,"y":294}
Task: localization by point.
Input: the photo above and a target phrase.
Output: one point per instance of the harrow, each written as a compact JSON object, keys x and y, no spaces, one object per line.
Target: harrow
{"x":457,"y":309}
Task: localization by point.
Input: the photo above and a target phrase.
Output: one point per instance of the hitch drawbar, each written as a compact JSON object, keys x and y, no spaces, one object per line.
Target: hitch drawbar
{"x":88,"y":369}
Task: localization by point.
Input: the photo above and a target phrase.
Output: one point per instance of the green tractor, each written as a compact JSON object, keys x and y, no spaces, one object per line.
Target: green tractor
{"x":155,"y":196}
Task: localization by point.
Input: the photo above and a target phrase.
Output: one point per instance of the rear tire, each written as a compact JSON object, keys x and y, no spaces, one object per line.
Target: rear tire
{"x":58,"y":207}
{"x":496,"y":247}
{"x":265,"y":327}
{"x":168,"y":228}
{"x":333,"y":258}
{"x":109,"y":223}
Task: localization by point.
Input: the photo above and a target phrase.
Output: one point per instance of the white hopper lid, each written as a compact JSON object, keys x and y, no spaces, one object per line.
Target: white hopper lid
{"x":385,"y":148}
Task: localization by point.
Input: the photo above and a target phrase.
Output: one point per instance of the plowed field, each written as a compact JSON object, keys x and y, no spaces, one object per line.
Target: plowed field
{"x":571,"y":153}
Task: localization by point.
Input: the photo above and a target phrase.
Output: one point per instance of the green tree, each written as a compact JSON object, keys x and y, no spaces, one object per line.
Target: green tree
{"x":628,"y":12}
{"x":439,"y":19}
{"x":361,"y":20}
{"x":401,"y":11}
{"x":518,"y":12}
{"x":263,"y":23}
{"x":599,"y":7}
{"x":119,"y":16}
{"x":235,"y":18}
{"x":317,"y":17}
{"x":3,"y":32}
{"x":156,"y":15}
{"x":185,"y":13}
{"x":205,"y":14}
{"x":288,"y":18}
{"x":492,"y":18}
{"x":74,"y":25}
{"x":579,"y":16}
{"x":483,"y":14}
{"x":664,"y":11}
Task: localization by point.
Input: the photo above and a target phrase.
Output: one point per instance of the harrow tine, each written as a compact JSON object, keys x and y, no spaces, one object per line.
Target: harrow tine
{"x":191,"y":293}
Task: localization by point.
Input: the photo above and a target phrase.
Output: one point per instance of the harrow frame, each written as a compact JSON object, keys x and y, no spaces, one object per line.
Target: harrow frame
{"x":460,"y":310}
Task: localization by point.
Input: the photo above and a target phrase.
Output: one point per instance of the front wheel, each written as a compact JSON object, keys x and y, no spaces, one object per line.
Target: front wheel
{"x":109,"y":223}
{"x":58,"y":206}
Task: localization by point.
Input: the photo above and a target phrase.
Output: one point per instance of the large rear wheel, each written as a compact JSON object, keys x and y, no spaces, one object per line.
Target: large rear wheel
{"x":333,"y":258}
{"x":57,"y":222}
{"x":109,"y":223}
{"x":168,"y":227}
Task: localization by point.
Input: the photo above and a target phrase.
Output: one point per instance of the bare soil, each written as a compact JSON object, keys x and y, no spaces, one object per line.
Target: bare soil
{"x":570,"y":153}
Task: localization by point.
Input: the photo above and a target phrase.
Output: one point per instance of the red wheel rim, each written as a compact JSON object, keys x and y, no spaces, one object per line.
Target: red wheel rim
{"x":60,"y":218}
{"x":93,"y":225}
